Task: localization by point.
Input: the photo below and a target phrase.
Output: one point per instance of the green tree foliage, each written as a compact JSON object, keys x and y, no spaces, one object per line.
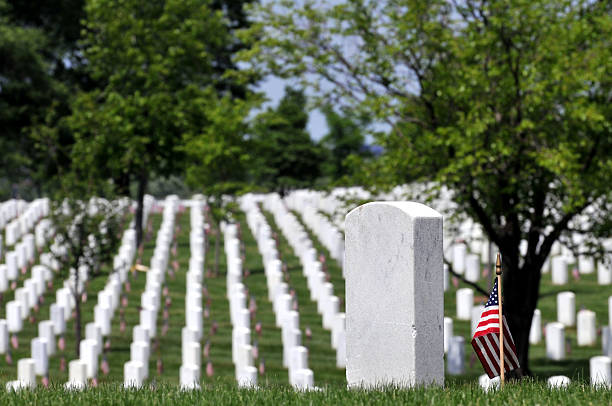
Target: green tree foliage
{"x":60,"y":21}
{"x":505,"y":102}
{"x":345,"y":138}
{"x":236,"y":19}
{"x":26,"y":92}
{"x":286,"y":157}
{"x":156,"y":60}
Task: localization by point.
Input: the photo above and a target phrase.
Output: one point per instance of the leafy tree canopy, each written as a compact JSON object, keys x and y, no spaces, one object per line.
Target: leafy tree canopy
{"x":158,"y":63}
{"x":345,"y":138}
{"x":285,"y":154}
{"x":505,"y":102}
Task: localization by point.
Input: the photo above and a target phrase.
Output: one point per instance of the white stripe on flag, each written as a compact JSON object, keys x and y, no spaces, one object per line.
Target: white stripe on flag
{"x":490,"y":317}
{"x":509,"y":349}
{"x":494,"y":351}
{"x":484,"y":353}
{"x":506,"y":360}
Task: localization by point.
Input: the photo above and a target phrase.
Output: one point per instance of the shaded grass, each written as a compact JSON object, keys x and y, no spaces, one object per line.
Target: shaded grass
{"x":321,"y":355}
{"x":269,"y":342}
{"x":167,"y":348}
{"x":221,"y":341}
{"x":333,"y":267}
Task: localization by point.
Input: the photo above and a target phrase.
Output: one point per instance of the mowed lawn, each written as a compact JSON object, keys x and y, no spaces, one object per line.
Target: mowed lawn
{"x":220,"y":386}
{"x":526,"y":393}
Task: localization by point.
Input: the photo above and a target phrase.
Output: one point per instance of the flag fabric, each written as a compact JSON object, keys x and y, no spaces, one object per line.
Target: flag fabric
{"x":486,"y":339}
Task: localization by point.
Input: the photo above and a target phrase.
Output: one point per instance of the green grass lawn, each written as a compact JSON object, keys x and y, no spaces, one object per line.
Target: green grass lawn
{"x":221,"y":388}
{"x":527,"y":393}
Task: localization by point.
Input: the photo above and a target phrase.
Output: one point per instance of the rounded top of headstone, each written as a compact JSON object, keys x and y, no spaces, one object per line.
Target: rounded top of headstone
{"x":413,"y":209}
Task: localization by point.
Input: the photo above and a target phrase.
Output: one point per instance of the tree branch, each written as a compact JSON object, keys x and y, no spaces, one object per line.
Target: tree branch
{"x":462,"y":279}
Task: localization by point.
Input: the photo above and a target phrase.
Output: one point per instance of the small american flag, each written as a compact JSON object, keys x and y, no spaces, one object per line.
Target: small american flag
{"x":486,"y":339}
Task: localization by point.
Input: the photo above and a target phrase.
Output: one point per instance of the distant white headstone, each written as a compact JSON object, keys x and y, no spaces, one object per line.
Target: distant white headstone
{"x":604,"y":273}
{"x":559,"y":271}
{"x":555,"y":341}
{"x":448,"y":332}
{"x":459,"y":253}
{"x":247,"y":378}
{"x":586,"y":265}
{"x":558,"y":382}
{"x":4,"y":337}
{"x":189,"y":376}
{"x":341,"y":350}
{"x":133,"y":374}
{"x":472,"y":267}
{"x":606,"y":340}
{"x":465,"y":302}
{"x":40,"y":355}
{"x":601,"y":371}
{"x":585,"y":328}
{"x":77,"y":375}
{"x":566,"y":308}
{"x":535,"y":334}
{"x":455,"y":358}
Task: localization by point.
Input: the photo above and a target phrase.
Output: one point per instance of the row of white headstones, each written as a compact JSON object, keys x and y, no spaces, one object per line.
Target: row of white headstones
{"x":469,"y":264}
{"x":193,"y":331}
{"x":44,"y":346}
{"x":380,"y":241}
{"x":22,"y":257}
{"x":295,"y":356}
{"x":136,"y":370}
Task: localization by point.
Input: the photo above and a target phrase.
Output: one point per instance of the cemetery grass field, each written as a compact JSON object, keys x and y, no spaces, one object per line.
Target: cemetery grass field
{"x":220,"y":388}
{"x":527,"y":393}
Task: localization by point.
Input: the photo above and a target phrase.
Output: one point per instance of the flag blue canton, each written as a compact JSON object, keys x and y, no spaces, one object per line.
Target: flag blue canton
{"x":493,"y":298}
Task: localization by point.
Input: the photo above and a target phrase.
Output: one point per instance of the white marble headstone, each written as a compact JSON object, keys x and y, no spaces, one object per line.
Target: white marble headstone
{"x":394,"y":295}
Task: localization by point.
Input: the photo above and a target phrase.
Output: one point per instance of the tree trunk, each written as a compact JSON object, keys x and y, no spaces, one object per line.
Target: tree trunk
{"x":77,"y":325}
{"x":521,"y":291}
{"x":142,"y":186}
{"x":122,"y":184}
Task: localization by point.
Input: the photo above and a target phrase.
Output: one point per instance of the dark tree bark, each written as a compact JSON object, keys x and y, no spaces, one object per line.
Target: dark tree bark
{"x":122,"y":184}
{"x":521,"y":291}
{"x":143,"y":179}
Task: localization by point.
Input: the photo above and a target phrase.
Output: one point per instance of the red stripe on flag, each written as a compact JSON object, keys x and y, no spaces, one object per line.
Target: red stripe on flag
{"x":492,"y":330}
{"x":489,"y":311}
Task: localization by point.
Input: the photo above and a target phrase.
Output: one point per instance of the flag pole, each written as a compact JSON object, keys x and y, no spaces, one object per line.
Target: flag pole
{"x":498,"y":271}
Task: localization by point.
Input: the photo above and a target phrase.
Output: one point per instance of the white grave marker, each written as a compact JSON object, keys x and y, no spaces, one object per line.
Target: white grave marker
{"x":566,"y":308}
{"x":394,"y":295}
